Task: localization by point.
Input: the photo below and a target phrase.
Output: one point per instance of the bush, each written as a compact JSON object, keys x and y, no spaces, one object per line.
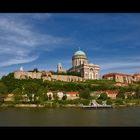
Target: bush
{"x":17,"y":91}
{"x":1,"y":100}
{"x":103,"y":96}
{"x":119,"y":102}
{"x":85,"y":94}
{"x":85,"y":102}
{"x":99,"y":101}
{"x":3,"y":88}
{"x":120,"y":95}
{"x":109,"y":102}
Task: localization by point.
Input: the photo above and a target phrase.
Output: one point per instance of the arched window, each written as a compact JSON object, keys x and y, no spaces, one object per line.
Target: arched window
{"x":91,"y":69}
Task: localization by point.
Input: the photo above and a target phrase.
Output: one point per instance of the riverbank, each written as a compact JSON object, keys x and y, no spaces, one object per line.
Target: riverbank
{"x":58,"y":106}
{"x":39,"y":106}
{"x":116,"y":103}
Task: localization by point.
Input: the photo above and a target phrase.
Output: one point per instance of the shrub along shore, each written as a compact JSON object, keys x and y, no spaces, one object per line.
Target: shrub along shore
{"x":116,"y":103}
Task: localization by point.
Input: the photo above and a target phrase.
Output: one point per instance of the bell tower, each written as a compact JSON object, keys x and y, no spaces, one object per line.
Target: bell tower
{"x":59,"y":67}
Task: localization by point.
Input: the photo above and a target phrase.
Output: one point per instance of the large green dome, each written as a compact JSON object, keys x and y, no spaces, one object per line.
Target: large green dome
{"x":79,"y":53}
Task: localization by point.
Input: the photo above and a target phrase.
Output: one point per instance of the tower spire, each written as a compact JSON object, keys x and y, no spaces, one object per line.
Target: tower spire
{"x":21,"y":68}
{"x":79,"y":48}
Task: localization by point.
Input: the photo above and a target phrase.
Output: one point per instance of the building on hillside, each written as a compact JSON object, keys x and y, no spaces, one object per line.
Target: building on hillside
{"x":9,"y":97}
{"x":136,"y":77}
{"x":70,"y":95}
{"x":60,"y":68}
{"x":119,"y":77}
{"x":111,"y":93}
{"x":80,"y":64}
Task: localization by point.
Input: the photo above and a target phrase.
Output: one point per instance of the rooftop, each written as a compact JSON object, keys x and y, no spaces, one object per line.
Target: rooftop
{"x":79,"y":52}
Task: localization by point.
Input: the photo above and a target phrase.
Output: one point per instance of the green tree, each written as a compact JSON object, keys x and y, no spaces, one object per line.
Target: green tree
{"x":42,"y":94}
{"x":64,"y":97}
{"x":130,"y":97}
{"x":17,"y":94}
{"x":17,"y":91}
{"x":85,"y":94}
{"x":11,"y":82}
{"x":2,"y":96}
{"x":103,"y":96}
{"x":109,"y":102}
{"x":3,"y":88}
{"x":121,"y":95}
{"x":119,"y":101}
{"x":35,"y":70}
{"x":31,"y":89}
{"x":137,"y":92}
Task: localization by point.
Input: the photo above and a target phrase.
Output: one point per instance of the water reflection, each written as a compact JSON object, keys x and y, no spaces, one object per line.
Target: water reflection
{"x":69,"y":117}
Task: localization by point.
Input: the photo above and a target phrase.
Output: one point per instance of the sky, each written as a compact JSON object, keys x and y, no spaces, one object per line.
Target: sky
{"x":42,"y":40}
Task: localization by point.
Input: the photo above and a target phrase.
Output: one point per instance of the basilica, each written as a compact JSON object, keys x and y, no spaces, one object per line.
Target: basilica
{"x":80,"y":64}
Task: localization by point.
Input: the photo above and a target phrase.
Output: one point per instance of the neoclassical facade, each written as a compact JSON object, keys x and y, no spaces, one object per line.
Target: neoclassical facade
{"x":80,"y":64}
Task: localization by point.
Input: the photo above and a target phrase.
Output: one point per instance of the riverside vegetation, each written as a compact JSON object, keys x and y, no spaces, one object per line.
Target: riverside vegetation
{"x":33,"y":91}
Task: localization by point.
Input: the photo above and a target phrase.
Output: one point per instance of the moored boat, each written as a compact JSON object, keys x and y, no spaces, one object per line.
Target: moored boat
{"x":95,"y":105}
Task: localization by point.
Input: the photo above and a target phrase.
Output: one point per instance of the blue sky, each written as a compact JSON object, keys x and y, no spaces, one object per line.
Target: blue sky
{"x":42,"y":40}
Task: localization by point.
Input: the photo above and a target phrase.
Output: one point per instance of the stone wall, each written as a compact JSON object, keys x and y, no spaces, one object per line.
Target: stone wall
{"x":67,"y":78}
{"x":38,"y":75}
{"x":26,"y":74}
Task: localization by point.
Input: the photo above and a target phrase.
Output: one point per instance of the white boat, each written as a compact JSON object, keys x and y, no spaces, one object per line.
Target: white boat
{"x":95,"y":105}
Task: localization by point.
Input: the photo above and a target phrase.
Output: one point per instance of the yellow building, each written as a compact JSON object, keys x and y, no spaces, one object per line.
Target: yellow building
{"x":119,"y":77}
{"x":136,"y":77}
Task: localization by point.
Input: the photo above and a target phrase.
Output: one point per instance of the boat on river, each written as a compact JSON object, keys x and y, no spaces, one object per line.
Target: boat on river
{"x":95,"y":105}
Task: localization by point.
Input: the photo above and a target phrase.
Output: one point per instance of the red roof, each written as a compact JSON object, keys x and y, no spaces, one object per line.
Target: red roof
{"x":72,"y":92}
{"x":136,"y":74}
{"x":112,"y":91}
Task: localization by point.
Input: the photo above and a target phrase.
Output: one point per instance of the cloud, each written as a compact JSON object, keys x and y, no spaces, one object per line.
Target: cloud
{"x":95,"y":48}
{"x":18,"y":60}
{"x":41,"y":16}
{"x":19,"y":40}
{"x":127,"y":63}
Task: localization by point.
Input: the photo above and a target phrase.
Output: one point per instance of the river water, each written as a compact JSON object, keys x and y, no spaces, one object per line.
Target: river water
{"x":127,"y":116}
